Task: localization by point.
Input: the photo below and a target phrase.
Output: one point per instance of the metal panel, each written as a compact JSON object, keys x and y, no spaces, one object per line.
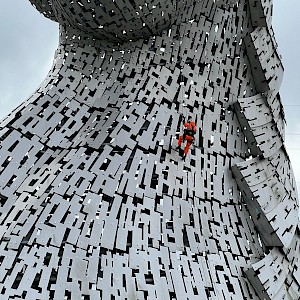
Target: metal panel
{"x":95,"y":200}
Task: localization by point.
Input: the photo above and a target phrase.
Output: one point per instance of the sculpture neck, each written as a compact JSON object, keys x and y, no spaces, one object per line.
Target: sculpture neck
{"x":86,"y":63}
{"x":87,"y":56}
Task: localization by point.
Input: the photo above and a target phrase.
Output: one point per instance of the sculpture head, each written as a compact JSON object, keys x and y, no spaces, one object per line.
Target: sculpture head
{"x":112,"y":19}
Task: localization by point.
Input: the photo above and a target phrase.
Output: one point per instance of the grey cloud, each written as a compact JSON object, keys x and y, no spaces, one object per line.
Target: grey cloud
{"x":28,"y":41}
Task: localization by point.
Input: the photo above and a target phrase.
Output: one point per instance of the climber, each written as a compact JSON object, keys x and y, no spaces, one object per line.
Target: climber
{"x":188,"y":136}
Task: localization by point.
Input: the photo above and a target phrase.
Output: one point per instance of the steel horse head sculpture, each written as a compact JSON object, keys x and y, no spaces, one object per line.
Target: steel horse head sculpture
{"x":96,"y":202}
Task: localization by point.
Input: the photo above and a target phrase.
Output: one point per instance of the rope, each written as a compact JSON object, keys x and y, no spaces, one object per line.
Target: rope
{"x":181,"y":77}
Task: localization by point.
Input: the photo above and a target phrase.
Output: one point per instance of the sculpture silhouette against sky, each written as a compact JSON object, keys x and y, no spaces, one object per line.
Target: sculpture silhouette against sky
{"x":96,"y":203}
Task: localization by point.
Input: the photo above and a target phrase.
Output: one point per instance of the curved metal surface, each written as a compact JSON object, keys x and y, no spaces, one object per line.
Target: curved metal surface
{"x":97,"y":204}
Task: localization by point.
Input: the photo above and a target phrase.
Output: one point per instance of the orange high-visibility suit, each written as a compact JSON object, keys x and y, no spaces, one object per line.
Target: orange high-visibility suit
{"x":188,"y":136}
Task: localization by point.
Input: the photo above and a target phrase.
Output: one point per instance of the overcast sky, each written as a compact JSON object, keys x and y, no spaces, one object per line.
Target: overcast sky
{"x":28,"y":41}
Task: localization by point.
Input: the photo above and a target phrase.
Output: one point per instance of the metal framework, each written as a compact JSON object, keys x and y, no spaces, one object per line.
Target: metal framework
{"x":95,"y":201}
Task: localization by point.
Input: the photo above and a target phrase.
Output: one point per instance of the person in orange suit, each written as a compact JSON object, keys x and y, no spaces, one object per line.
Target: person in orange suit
{"x":188,"y":136}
